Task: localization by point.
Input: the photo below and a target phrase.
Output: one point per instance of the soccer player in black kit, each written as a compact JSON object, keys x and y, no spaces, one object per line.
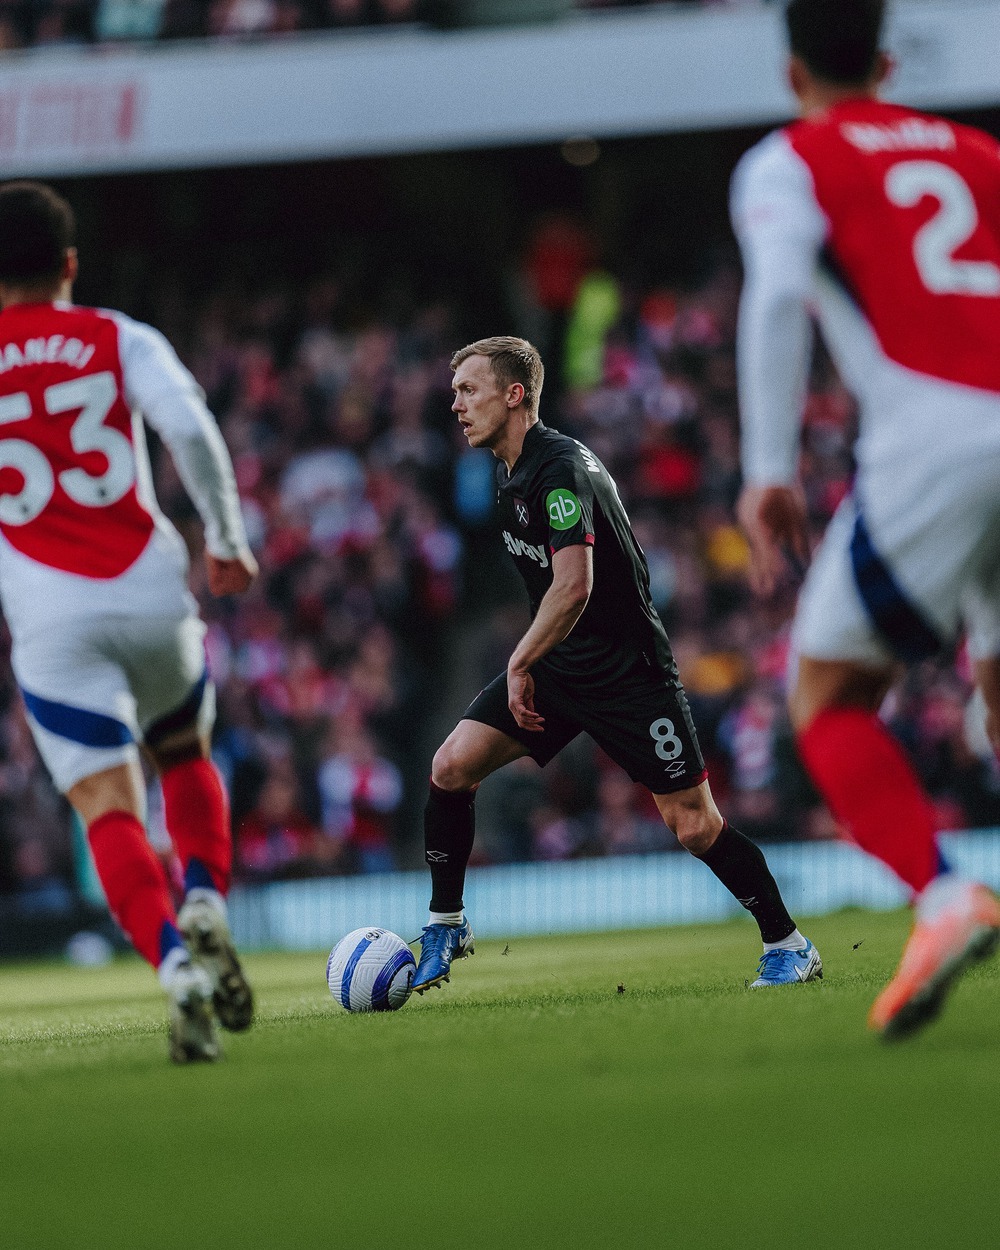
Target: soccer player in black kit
{"x":596,"y":658}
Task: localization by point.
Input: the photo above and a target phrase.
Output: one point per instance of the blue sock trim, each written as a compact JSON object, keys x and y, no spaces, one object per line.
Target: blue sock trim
{"x":197,"y":876}
{"x":170,"y":939}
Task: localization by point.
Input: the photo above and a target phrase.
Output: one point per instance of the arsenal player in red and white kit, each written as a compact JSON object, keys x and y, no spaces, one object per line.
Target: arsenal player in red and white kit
{"x":883,"y":224}
{"x":107,"y":644}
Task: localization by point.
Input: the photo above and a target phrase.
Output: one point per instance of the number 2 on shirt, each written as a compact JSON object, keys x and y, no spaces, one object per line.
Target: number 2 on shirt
{"x":937,"y":240}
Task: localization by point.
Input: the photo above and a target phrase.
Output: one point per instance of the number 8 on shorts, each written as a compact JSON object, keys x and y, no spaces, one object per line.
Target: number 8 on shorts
{"x":668,"y":745}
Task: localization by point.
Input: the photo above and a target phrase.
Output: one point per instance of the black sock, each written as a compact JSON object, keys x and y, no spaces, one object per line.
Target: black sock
{"x":449,"y":831}
{"x":741,"y":867}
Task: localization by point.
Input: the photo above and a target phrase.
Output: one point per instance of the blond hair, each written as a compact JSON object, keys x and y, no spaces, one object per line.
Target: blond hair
{"x":511,"y":360}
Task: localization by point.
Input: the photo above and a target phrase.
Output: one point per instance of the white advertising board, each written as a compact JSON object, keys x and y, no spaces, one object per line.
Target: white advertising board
{"x":369,"y":93}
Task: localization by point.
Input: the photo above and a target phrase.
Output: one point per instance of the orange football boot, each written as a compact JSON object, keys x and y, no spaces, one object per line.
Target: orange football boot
{"x":957,"y":924}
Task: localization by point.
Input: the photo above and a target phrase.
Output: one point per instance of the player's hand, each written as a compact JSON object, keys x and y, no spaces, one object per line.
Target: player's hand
{"x":230,"y":577}
{"x":776,"y":524}
{"x":521,"y":701}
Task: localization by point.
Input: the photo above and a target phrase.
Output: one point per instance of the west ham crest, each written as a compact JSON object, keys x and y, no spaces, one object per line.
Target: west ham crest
{"x":521,"y":511}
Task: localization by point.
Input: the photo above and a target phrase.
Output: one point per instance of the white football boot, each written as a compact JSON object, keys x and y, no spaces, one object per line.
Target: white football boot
{"x":192,"y":1028}
{"x":205,"y":929}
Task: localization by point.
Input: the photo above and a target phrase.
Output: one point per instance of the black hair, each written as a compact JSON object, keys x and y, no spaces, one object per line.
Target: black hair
{"x":837,"y":39}
{"x":36,"y":228}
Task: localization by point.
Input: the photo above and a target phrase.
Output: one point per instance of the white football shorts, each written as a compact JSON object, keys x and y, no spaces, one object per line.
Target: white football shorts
{"x":910,"y":557}
{"x":95,"y":687}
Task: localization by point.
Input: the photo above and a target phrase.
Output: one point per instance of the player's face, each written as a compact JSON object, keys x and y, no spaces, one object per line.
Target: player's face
{"x":481,"y":405}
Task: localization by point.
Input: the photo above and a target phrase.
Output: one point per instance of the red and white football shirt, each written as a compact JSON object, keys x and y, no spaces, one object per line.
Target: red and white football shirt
{"x":886,"y":224}
{"x":68,"y":481}
{"x":80,"y":531}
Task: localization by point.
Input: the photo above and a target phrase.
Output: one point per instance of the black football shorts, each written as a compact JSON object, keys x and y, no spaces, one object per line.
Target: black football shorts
{"x":641,"y":720}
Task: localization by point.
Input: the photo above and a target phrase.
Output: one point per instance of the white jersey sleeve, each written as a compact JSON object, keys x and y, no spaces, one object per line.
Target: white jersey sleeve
{"x":781,"y":230}
{"x":169,"y":398}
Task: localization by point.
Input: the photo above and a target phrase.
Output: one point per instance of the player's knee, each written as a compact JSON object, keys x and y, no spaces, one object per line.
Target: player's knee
{"x":696,"y":831}
{"x":695,"y":821}
{"x":450,"y":769}
{"x":693,"y":817}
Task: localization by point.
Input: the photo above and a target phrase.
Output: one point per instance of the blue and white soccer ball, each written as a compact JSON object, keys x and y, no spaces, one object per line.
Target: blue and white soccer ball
{"x":370,"y":970}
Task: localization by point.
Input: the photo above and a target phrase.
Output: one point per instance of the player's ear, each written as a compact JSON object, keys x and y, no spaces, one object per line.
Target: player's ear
{"x":71,"y":265}
{"x":799,"y":78}
{"x":884,"y":69}
{"x":515,"y":395}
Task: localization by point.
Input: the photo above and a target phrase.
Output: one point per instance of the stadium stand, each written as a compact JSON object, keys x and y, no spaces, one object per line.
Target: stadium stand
{"x":57,"y":23}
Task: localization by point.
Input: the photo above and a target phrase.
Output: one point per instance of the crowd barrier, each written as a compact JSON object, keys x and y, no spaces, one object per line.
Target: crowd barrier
{"x":582,"y":896}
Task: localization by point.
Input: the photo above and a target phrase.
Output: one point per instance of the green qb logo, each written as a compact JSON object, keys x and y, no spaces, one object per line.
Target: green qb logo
{"x":563,"y":508}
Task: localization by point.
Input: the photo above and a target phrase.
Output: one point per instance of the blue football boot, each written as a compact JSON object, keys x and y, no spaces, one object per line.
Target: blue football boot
{"x":441,"y":944}
{"x":788,"y":967}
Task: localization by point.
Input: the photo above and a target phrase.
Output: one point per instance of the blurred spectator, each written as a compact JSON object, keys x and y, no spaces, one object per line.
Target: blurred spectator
{"x":627,"y":821}
{"x":41,"y":23}
{"x":360,"y":792}
{"x":12,"y":33}
{"x":40,"y":891}
{"x":276,"y":839}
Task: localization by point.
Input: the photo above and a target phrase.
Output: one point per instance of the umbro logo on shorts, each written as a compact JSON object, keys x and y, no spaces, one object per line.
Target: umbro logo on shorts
{"x":437,"y":857}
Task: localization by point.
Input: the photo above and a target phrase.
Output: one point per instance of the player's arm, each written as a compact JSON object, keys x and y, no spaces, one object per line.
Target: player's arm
{"x":780,"y":230}
{"x":561,"y":607}
{"x":172,"y":402}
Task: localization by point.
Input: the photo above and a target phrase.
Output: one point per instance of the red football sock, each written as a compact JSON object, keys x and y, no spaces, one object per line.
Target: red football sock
{"x":869,"y":785}
{"x":135,"y":884}
{"x":196,"y":812}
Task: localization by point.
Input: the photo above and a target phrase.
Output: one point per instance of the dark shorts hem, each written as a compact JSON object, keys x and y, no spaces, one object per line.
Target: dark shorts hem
{"x":630,"y":722}
{"x":685,"y":783}
{"x":490,"y":708}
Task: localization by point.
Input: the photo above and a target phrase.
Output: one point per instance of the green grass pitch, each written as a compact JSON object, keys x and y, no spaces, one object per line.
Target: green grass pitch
{"x":528,"y":1104}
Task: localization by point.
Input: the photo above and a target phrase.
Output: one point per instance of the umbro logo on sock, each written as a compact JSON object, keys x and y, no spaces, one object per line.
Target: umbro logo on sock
{"x":437,"y":857}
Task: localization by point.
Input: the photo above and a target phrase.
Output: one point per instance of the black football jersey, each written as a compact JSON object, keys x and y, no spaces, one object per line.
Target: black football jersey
{"x":560,"y":495}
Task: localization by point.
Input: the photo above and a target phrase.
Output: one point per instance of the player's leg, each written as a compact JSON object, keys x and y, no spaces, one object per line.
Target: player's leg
{"x":89,"y":749}
{"x":860,"y":769}
{"x":643,"y":722}
{"x":854,"y":618}
{"x":196,"y":813}
{"x":111,"y":803}
{"x":485,"y":739}
{"x":789,"y":958}
{"x":169,"y":660}
{"x":470,"y":753}
{"x":195,"y":802}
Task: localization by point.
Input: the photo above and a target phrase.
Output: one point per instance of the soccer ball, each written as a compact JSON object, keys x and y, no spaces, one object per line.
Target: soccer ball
{"x":370,"y":970}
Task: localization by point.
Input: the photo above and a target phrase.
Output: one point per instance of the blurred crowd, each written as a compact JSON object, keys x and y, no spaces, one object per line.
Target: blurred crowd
{"x":386,"y":601}
{"x":51,"y":23}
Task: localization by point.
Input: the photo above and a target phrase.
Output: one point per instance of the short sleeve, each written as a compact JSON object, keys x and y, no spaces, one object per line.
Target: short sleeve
{"x":567,"y":500}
